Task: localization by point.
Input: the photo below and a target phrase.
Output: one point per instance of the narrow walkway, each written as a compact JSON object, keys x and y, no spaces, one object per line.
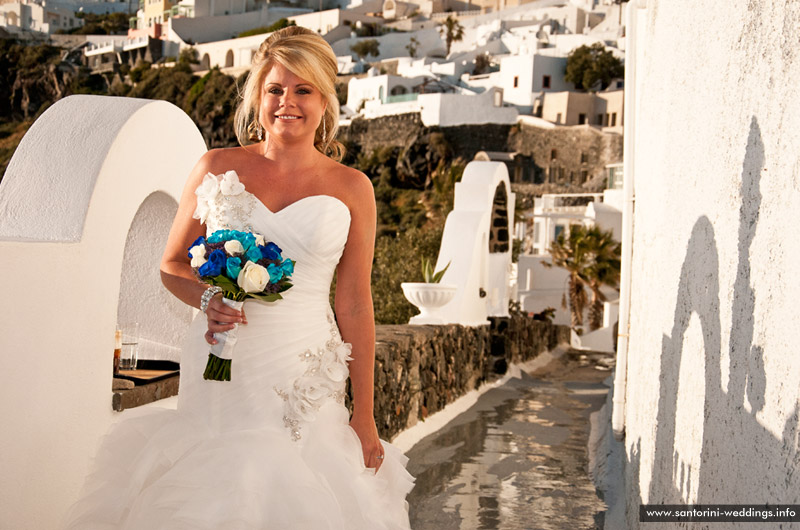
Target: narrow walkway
{"x":517,"y":459}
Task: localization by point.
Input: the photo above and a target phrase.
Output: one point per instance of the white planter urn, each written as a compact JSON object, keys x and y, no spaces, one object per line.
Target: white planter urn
{"x":428,"y":297}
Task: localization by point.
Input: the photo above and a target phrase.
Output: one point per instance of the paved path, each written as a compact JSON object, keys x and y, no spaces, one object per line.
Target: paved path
{"x":517,"y":459}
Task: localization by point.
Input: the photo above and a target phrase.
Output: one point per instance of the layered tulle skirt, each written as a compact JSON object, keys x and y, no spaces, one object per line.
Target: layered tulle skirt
{"x":227,"y":459}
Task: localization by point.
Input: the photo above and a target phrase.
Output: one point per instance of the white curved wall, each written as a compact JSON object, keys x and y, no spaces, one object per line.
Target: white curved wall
{"x":103,"y":156}
{"x":713,"y":396}
{"x":160,"y":332}
{"x":465,"y":245}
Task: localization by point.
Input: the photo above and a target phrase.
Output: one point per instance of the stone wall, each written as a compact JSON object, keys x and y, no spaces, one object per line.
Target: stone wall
{"x":569,"y":155}
{"x":581,"y":152}
{"x":420,"y":369}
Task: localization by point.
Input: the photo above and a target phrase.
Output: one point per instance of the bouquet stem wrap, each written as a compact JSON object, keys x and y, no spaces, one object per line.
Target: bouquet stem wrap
{"x":218,"y":367}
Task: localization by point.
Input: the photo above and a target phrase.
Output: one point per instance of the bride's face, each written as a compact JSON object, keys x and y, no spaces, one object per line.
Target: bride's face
{"x":291,"y":107}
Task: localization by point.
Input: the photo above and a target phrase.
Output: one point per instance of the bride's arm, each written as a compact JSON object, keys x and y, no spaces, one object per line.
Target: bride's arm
{"x":354,"y":312}
{"x":176,"y":273}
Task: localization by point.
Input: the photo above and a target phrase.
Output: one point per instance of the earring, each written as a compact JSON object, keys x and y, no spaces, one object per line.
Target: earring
{"x":258,"y":131}
{"x":324,"y":129}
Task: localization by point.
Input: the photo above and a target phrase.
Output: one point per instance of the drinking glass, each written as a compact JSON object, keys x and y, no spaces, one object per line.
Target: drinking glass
{"x":130,"y":347}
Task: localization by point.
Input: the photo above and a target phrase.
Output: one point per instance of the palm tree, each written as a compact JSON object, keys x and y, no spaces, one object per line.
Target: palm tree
{"x":604,"y":270}
{"x":453,"y":31}
{"x":571,"y":253}
{"x":592,"y":259}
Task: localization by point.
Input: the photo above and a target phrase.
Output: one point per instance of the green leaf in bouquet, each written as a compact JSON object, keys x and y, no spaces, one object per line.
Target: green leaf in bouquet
{"x":232,"y":290}
{"x":271,"y":297}
{"x":283,"y":285}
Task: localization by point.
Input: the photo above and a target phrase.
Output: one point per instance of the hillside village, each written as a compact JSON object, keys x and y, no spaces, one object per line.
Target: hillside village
{"x":449,"y":63}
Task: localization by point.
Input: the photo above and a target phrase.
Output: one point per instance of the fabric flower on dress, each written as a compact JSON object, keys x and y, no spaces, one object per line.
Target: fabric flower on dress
{"x":308,"y":394}
{"x":230,"y":185}
{"x":323,"y":380}
{"x":206,"y":192}
{"x":343,"y":351}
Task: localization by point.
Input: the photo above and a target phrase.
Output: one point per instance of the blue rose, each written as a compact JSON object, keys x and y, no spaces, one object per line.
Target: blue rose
{"x":213,"y":267}
{"x":275,"y":273}
{"x":199,"y":241}
{"x":271,"y":251}
{"x":233,"y":266}
{"x":287,"y":267}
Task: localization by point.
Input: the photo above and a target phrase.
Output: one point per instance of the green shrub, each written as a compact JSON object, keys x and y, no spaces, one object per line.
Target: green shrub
{"x":280,"y":24}
{"x":399,"y":259}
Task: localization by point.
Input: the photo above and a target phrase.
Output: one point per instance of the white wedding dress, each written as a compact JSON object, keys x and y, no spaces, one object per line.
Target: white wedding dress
{"x":271,"y":449}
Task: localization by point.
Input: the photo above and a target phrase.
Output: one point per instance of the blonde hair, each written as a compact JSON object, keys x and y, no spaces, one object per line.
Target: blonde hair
{"x":306,"y":55}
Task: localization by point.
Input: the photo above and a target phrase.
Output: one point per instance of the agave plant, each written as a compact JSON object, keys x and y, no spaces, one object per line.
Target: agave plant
{"x":429,"y":275}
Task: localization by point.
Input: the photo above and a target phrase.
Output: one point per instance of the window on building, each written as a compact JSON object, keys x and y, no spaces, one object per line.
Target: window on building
{"x":553,"y":154}
{"x":558,"y":118}
{"x":584,"y":175}
{"x":620,"y":84}
{"x":584,"y":158}
{"x":498,"y":98}
{"x":545,"y":81}
{"x":559,"y":230}
{"x":613,"y":119}
{"x":599,"y":120}
{"x":581,"y":119}
{"x":516,"y":81}
{"x":607,"y":119}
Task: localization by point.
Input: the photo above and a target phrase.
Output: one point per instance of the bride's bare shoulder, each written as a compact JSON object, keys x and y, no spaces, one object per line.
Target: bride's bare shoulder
{"x":216,"y":162}
{"x":222,"y":159}
{"x":353,"y":187}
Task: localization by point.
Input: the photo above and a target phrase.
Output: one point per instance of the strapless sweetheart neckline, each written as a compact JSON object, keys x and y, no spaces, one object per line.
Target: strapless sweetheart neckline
{"x":297,"y":202}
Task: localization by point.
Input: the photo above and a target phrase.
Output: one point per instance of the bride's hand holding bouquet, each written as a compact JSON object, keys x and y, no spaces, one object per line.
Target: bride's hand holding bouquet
{"x":238,"y":265}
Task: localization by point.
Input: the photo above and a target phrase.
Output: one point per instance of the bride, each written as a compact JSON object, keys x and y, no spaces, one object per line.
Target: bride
{"x":274,"y":447}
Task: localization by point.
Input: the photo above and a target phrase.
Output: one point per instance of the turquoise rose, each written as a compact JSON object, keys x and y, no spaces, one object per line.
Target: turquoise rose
{"x":253,"y":253}
{"x":219,"y":236}
{"x":233,"y":266}
{"x":287,"y":266}
{"x":275,"y":273}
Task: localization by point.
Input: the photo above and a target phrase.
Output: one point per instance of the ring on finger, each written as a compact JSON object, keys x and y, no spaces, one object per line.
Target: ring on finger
{"x":380,"y":457}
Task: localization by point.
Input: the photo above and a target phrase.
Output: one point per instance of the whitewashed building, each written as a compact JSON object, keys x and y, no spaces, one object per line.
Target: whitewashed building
{"x":524,"y":77}
{"x":41,"y":16}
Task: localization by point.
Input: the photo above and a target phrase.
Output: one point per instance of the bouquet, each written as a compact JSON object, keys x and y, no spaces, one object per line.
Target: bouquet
{"x":243,"y":265}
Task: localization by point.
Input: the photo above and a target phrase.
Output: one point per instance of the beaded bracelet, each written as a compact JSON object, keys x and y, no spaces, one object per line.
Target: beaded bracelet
{"x":207,"y":296}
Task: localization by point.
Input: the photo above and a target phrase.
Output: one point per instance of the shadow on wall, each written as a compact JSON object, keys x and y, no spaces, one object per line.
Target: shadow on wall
{"x":734,"y":443}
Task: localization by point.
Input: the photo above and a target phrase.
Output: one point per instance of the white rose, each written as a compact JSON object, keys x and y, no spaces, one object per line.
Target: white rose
{"x":198,"y":261}
{"x":198,"y":251}
{"x":230,"y":184}
{"x":260,"y":240}
{"x":253,"y":278}
{"x":233,"y":247}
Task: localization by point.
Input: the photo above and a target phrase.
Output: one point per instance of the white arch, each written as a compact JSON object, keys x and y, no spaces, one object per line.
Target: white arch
{"x":465,"y":246}
{"x":69,"y":196}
